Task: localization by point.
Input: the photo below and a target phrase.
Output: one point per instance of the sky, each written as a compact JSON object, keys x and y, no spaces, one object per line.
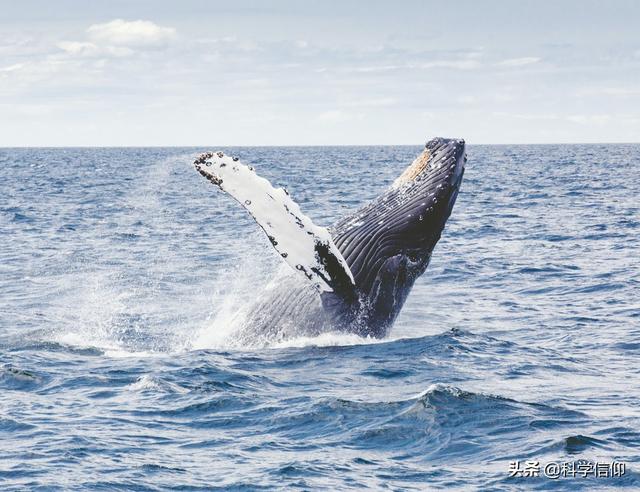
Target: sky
{"x":227,"y":73}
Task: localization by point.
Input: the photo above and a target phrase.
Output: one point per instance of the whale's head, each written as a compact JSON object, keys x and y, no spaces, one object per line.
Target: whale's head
{"x":388,"y":243}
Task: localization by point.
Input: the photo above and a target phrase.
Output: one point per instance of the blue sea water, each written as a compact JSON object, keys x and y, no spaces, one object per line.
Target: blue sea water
{"x":122,"y":272}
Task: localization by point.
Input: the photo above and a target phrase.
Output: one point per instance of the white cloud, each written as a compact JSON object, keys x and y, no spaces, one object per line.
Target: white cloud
{"x":380,"y":68}
{"x":518,"y":62}
{"x":609,"y":91}
{"x":118,"y":38}
{"x":12,"y":68}
{"x":595,"y":119}
{"x":139,"y":33}
{"x":527,"y":116}
{"x":86,"y":49}
{"x":373,"y":102}
{"x":455,"y":64}
{"x":78,"y":47}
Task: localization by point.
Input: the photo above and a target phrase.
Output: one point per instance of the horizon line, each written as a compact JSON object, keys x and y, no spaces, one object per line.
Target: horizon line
{"x":294,"y":145}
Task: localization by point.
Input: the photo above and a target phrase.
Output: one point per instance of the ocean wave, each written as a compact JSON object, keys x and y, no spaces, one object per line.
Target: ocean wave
{"x":125,"y":280}
{"x":156,"y":384}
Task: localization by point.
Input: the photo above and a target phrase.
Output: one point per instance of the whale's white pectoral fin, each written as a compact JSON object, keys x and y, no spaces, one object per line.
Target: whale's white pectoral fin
{"x":306,"y":247}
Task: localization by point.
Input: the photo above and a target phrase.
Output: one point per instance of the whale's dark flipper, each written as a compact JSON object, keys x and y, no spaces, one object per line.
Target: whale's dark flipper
{"x":305,"y":246}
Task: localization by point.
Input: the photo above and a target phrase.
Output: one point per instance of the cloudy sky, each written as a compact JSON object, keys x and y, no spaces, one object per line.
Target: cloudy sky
{"x":196,"y":72}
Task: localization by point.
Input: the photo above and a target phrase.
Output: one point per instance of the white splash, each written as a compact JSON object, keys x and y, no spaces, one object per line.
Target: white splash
{"x":328,"y":339}
{"x":232,"y":298}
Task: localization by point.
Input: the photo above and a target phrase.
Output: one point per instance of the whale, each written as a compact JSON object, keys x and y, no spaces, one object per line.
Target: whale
{"x":356,"y":275}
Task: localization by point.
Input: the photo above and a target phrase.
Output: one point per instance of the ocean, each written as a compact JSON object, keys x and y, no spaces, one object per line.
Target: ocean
{"x":123,"y":273}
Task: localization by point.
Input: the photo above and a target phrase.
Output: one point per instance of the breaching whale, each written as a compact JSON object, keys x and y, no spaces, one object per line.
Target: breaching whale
{"x":355,"y":276}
